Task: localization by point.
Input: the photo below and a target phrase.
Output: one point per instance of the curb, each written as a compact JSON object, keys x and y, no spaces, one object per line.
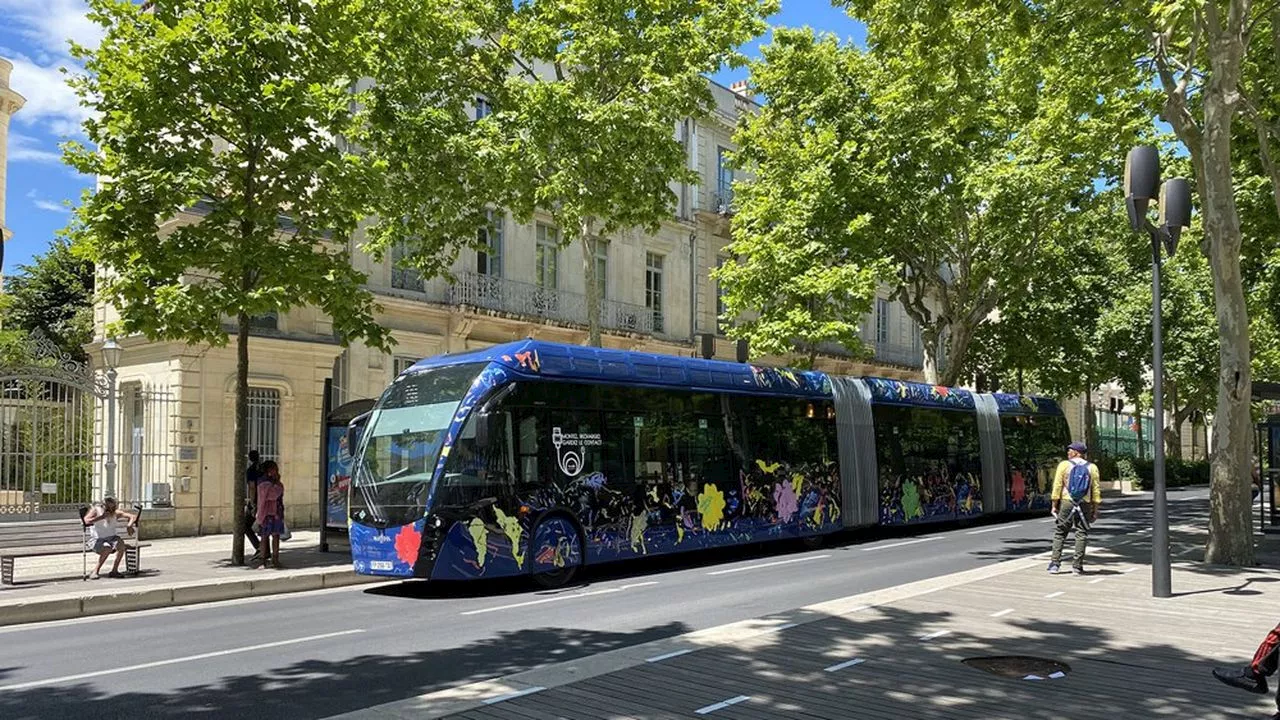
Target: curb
{"x":474,"y":695}
{"x":71,"y":606}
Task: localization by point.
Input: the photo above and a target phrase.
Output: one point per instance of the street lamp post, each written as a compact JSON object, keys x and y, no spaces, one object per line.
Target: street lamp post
{"x":111,"y":351}
{"x":1141,"y":178}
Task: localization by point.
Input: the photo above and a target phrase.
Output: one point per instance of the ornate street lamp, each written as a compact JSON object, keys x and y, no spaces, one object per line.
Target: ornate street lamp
{"x":111,"y":352}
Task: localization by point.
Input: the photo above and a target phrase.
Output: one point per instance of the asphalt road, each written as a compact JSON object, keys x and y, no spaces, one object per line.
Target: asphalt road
{"x":314,"y":655}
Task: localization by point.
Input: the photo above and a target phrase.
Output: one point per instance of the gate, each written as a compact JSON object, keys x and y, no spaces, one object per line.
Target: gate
{"x":47,"y":454}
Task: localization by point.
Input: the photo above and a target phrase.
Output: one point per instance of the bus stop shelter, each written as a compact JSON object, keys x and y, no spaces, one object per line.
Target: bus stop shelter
{"x":1268,"y":461}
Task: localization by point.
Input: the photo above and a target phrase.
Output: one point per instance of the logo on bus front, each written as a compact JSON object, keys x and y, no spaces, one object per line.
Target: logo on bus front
{"x":572,"y":461}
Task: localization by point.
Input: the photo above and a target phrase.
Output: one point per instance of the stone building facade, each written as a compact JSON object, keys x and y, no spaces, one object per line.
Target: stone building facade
{"x":659,"y":297}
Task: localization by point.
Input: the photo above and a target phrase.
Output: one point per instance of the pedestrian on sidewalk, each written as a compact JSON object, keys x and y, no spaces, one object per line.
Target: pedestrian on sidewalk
{"x":1077,"y":495}
{"x":104,"y":535}
{"x":270,"y":514}
{"x":1253,"y":677}
{"x":251,"y":476}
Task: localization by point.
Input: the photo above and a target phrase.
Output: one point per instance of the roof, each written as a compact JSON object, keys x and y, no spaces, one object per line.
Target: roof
{"x":537,"y":358}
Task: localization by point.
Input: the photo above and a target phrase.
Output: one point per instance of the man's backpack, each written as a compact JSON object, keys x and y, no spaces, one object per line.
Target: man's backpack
{"x":1079,"y":480}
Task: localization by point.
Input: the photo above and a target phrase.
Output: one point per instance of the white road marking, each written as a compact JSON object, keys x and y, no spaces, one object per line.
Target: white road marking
{"x":175,"y":661}
{"x":1049,"y":520}
{"x":514,"y":695}
{"x":1053,"y":595}
{"x":1002,"y":613}
{"x":1095,"y":582}
{"x":788,"y":626}
{"x":994,"y":528}
{"x":768,"y":564}
{"x":901,"y":544}
{"x":1126,"y":572}
{"x":934,"y":635}
{"x":667,"y":656}
{"x":722,"y":705}
{"x":558,"y":598}
{"x":195,"y":607}
{"x":845,"y":664}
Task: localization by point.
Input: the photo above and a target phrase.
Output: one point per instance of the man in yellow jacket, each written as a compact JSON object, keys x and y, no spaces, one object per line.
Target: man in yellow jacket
{"x":1077,"y":494}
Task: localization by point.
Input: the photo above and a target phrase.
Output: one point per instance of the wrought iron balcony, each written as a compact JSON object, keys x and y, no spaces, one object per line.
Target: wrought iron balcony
{"x":885,"y":352}
{"x":528,"y":300}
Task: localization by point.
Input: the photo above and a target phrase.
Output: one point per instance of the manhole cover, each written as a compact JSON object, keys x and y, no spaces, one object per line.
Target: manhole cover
{"x":1020,"y":667}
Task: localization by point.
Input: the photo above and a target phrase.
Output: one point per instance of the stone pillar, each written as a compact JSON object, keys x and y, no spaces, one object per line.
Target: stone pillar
{"x":10,"y":103}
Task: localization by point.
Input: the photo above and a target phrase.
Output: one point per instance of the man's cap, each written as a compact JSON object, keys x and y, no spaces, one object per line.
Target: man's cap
{"x":1079,"y":447}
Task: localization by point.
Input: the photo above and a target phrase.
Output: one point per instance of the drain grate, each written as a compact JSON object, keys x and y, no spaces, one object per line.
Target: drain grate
{"x":1020,"y":667}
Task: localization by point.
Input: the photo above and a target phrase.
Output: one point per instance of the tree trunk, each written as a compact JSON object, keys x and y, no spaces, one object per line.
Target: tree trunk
{"x":1137,"y":424}
{"x":929,"y":335}
{"x":241,"y":449}
{"x":958,"y":341}
{"x":1230,"y":527}
{"x":1090,"y":421}
{"x":1172,"y":437}
{"x":588,"y":239}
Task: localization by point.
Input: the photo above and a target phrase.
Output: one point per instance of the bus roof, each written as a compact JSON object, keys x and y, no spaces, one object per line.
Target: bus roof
{"x":538,"y":358}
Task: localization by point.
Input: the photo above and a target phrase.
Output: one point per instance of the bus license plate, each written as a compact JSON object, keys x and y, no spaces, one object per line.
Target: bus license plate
{"x":380,"y":565}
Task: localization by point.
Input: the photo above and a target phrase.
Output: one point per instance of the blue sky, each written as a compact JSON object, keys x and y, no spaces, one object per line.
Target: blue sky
{"x":34,"y":37}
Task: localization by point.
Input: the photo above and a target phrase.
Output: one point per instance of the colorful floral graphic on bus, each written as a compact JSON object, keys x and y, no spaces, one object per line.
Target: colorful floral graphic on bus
{"x":899,"y":391}
{"x":937,"y":495}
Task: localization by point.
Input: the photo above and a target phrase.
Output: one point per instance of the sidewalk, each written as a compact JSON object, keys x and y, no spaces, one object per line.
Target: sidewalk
{"x":174,"y":571}
{"x":898,"y":653}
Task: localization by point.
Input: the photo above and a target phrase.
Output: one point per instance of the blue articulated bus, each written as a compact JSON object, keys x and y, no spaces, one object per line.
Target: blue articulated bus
{"x":539,"y":458}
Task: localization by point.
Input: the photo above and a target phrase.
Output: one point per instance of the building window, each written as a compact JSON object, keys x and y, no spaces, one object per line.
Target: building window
{"x":724,"y":178}
{"x":882,"y":320}
{"x":489,"y":260}
{"x":265,"y":321}
{"x":602,"y":269}
{"x":264,"y":422}
{"x":545,"y":260}
{"x":339,"y":375}
{"x":653,"y":288}
{"x":403,"y":278}
{"x":400,"y":364}
{"x":483,"y":108}
{"x":722,"y":323}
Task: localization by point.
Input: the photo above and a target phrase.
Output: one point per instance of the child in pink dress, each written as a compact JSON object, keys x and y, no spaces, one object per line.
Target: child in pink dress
{"x":270,"y":518}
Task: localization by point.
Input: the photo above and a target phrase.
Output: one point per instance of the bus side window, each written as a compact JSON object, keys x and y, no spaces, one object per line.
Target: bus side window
{"x":527,"y":446}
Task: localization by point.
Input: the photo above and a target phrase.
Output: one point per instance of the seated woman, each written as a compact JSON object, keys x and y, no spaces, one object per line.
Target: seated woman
{"x":104,"y":534}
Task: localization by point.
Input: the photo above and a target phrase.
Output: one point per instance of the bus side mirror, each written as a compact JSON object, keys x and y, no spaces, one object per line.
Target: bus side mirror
{"x":355,"y":429}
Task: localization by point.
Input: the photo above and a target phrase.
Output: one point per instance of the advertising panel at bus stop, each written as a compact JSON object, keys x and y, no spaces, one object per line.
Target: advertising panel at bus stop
{"x":338,"y":477}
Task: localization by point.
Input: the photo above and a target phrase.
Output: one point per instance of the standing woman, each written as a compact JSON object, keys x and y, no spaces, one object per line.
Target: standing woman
{"x":270,"y":515}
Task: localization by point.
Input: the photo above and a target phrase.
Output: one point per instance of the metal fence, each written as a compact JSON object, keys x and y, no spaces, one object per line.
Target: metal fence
{"x":520,"y":298}
{"x":1118,"y":434}
{"x":145,"y":433}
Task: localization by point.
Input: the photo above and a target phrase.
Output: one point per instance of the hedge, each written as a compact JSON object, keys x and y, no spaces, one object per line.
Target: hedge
{"x":1177,"y":473}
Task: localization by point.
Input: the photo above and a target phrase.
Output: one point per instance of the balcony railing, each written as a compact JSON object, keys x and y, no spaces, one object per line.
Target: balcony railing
{"x":525,"y":299}
{"x":885,"y":352}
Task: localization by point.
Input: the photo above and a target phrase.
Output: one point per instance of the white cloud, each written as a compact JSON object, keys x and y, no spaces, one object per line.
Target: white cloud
{"x":47,"y":205}
{"x":49,"y":24}
{"x":51,"y":103}
{"x":23,"y":148}
{"x":52,"y":207}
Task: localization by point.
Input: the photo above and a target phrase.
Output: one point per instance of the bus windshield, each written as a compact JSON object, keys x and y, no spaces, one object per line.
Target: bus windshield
{"x":392,"y":476}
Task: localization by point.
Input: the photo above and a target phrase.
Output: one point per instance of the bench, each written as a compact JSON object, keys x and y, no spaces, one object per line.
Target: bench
{"x":45,"y":538}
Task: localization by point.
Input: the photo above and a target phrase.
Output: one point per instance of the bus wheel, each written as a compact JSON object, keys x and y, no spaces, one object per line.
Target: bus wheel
{"x":557,"y":551}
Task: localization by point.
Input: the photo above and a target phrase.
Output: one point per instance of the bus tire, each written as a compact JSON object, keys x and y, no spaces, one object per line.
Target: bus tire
{"x":556,"y":550}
